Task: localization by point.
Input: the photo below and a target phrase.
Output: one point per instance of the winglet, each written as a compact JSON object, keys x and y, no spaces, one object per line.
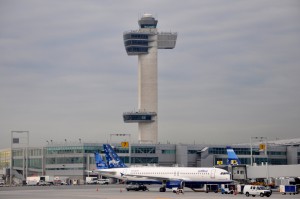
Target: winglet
{"x":232,"y":157}
{"x":112,"y":158}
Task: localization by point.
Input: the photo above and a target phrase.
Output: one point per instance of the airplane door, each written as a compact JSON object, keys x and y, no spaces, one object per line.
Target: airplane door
{"x":213,"y":173}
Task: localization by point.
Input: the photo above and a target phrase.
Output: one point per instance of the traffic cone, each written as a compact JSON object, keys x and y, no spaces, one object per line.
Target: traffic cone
{"x":120,"y":190}
{"x":97,"y":188}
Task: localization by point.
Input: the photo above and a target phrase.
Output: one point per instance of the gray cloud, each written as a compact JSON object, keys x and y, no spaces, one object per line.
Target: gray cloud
{"x":64,"y":72}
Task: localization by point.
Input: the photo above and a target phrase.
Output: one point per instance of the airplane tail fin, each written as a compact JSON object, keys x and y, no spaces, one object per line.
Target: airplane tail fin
{"x":232,"y":157}
{"x":100,"y":164}
{"x":112,"y":158}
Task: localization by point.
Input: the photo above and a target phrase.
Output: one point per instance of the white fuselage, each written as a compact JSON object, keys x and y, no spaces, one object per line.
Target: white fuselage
{"x":187,"y":174}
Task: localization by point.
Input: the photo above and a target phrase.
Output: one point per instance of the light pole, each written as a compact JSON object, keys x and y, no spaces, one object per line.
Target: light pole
{"x":251,"y":146}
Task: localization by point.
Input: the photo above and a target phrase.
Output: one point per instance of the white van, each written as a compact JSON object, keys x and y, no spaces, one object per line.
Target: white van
{"x":255,"y":190}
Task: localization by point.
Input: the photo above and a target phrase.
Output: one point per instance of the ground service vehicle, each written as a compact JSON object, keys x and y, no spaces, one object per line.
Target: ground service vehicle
{"x":136,"y":187}
{"x":227,"y":188}
{"x":91,"y":180}
{"x":43,"y":183}
{"x":288,"y":189}
{"x":2,"y":183}
{"x":103,"y":181}
{"x":256,"y":190}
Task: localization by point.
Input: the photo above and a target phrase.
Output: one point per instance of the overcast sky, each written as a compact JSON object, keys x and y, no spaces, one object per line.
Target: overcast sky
{"x":234,"y":73}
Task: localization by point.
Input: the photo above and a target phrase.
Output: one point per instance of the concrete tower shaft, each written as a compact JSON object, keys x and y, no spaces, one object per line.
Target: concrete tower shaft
{"x":147,"y":77}
{"x":147,"y":91}
{"x":144,"y":43}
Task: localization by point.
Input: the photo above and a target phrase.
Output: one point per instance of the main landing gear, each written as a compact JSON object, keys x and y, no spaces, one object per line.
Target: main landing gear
{"x":162,"y":189}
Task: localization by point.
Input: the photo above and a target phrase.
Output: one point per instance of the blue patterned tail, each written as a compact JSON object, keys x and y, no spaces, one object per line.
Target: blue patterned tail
{"x":232,"y":157}
{"x":100,"y":164}
{"x":113,"y":160}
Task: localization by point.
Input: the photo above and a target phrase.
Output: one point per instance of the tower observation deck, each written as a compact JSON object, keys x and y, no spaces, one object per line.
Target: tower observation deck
{"x":144,"y":43}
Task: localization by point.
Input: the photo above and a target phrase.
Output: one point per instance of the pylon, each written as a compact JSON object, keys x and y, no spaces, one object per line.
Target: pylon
{"x":97,"y":188}
{"x":120,"y":190}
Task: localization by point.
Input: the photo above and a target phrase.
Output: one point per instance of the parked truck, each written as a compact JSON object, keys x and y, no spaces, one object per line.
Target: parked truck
{"x":32,"y":181}
{"x":39,"y":180}
{"x":49,"y":180}
{"x":91,"y":180}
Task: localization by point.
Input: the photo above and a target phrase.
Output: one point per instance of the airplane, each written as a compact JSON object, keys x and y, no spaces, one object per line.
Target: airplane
{"x":232,"y":157}
{"x":168,"y":177}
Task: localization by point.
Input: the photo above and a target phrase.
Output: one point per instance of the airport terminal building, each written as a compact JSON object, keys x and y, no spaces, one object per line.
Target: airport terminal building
{"x":76,"y":159}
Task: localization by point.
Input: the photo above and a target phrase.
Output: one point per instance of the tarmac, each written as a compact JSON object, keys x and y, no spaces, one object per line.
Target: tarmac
{"x":111,"y":192}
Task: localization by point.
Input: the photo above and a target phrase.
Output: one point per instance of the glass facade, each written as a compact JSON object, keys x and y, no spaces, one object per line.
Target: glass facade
{"x":238,"y":151}
{"x":247,"y":151}
{"x":65,"y":169}
{"x":138,"y":117}
{"x":135,"y":36}
{"x":136,"y":43}
{"x":35,"y":152}
{"x":17,"y":152}
{"x":64,"y":150}
{"x":216,"y":150}
{"x":35,"y":163}
{"x":276,"y":153}
{"x":144,"y":160}
{"x":168,"y":151}
{"x":125,"y":159}
{"x":148,"y":26}
{"x":245,"y":160}
{"x":93,"y":149}
{"x":66,"y":160}
{"x":143,"y":149}
{"x":4,"y":159}
{"x":121,"y":150}
{"x":137,"y":49}
{"x":278,"y":161}
{"x":18,"y":162}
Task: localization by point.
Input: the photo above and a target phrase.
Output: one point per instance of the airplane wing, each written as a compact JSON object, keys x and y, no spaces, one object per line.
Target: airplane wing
{"x":105,"y":172}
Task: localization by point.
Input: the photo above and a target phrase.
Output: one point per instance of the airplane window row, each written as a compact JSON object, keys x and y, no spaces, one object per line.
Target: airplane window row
{"x":224,"y":173}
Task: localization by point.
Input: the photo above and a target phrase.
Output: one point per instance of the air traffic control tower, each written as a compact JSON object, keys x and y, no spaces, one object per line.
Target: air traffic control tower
{"x":144,"y":43}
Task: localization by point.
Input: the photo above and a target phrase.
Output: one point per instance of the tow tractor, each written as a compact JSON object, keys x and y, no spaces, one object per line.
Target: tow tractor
{"x":136,"y":187}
